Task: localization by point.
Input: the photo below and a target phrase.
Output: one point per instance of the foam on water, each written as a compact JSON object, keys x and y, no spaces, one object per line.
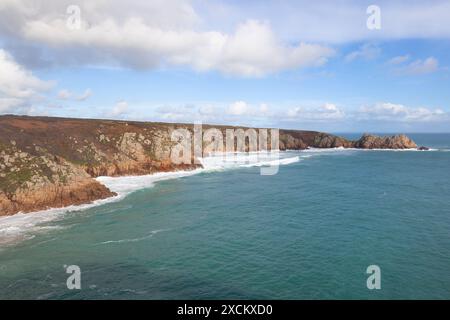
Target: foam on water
{"x":21,"y":226}
{"x":148,"y":236}
{"x":217,"y":162}
{"x":24,"y":226}
{"x":127,"y":184}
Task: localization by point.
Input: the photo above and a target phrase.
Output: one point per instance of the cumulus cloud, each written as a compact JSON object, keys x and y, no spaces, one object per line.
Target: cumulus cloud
{"x":238,"y":113}
{"x":325,"y":112}
{"x":387,"y":111}
{"x":242,"y":108}
{"x":138,"y":41}
{"x":238,"y":108}
{"x":19,"y":88}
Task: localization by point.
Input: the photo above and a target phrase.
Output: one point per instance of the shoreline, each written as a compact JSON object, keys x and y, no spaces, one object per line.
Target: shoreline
{"x":53,"y":162}
{"x":16,"y":228}
{"x":183,"y":173}
{"x":23,"y":226}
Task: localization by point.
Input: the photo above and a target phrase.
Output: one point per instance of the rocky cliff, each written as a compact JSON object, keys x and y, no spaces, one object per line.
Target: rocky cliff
{"x":52,"y":162}
{"x":401,"y":141}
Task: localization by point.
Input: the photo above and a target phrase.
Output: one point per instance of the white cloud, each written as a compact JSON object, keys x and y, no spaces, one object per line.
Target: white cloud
{"x":137,"y":40}
{"x":64,"y":94}
{"x":264,"y":109}
{"x":84,"y":96}
{"x":325,"y":112}
{"x":238,"y":108}
{"x":332,"y":21}
{"x":207,"y":110}
{"x":420,"y":67}
{"x":185,"y":113}
{"x":120,"y":109}
{"x":417,"y":67}
{"x":254,"y":50}
{"x":310,"y":114}
{"x":19,"y":88}
{"x":398,"y":60}
{"x":238,"y":113}
{"x":242,"y":108}
{"x":367,"y":51}
{"x":204,"y":35}
{"x":387,"y":111}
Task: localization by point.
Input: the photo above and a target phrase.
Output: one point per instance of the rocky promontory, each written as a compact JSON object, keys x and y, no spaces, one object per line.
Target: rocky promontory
{"x":52,"y":162}
{"x":369,"y":141}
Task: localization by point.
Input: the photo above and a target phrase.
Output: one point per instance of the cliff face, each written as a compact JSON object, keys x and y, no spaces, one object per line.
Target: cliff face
{"x":31,"y":181}
{"x":51,"y":162}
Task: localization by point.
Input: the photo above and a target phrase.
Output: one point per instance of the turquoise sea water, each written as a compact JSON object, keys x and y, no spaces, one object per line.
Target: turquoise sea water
{"x":308,"y":232}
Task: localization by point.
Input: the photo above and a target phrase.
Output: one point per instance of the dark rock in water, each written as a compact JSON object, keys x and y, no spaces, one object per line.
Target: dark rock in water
{"x":423,"y":148}
{"x":400,"y":141}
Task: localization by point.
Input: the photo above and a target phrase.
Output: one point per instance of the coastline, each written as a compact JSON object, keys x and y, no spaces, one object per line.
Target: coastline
{"x":17,"y":227}
{"x":22,"y":226}
{"x":54,"y":162}
{"x":307,"y":200}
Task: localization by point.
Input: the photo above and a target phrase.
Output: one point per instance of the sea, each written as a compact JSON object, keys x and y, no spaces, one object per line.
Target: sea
{"x":314,"y":229}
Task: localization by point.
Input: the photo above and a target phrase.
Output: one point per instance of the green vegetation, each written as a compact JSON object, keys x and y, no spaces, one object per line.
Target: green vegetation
{"x":14,"y":180}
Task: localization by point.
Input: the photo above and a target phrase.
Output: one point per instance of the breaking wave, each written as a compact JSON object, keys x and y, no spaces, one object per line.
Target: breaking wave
{"x":20,"y":227}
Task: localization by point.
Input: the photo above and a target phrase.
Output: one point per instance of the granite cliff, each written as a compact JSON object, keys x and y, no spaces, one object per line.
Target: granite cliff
{"x":52,"y":162}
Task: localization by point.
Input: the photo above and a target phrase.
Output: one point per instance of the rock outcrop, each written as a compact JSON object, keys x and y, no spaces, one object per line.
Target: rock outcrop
{"x":324,"y":140}
{"x":30,"y":182}
{"x":52,"y":162}
{"x":401,"y":141}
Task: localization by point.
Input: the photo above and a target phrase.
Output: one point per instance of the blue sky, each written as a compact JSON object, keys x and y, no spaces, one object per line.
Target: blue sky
{"x":287,"y":64}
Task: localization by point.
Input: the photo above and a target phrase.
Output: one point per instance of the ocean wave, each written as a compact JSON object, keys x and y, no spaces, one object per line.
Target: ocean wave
{"x":150,"y":235}
{"x":20,"y":227}
{"x":224,"y":161}
{"x":25,"y":226}
{"x":277,"y":162}
{"x":128,"y":184}
{"x":341,"y":149}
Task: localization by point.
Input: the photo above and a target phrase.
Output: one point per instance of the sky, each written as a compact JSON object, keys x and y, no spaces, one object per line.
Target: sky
{"x":337,"y":66}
